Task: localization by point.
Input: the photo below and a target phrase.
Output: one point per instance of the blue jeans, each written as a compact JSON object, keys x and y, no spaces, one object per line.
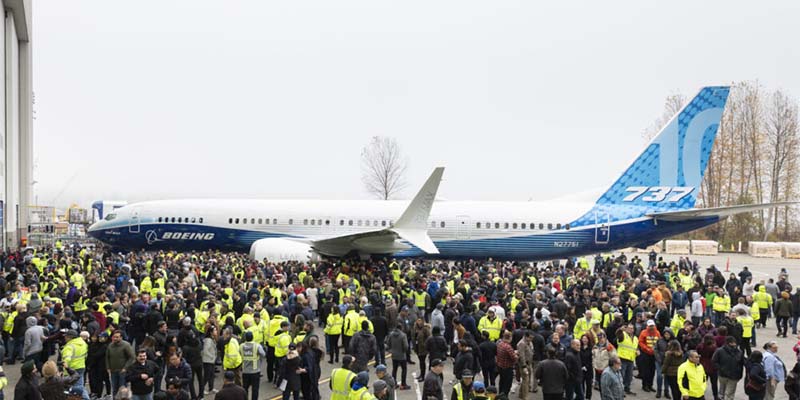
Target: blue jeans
{"x":574,"y":391}
{"x":15,"y":349}
{"x":80,"y":376}
{"x":148,"y":396}
{"x":794,"y":325}
{"x":660,"y":380}
{"x":117,"y":381}
{"x":627,"y":374}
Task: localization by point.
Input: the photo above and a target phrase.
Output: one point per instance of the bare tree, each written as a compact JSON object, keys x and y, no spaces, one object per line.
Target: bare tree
{"x":383,"y":167}
{"x":672,"y":105}
{"x":780,"y":127}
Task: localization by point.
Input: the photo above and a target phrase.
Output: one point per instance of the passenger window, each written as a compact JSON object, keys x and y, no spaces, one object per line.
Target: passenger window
{"x":260,"y":221}
{"x":496,"y":225}
{"x":441,"y":224}
{"x":313,"y":222}
{"x":159,"y":219}
{"x":488,"y":225}
{"x":383,"y":223}
{"x":558,"y":226}
{"x":201,"y":220}
{"x":267,"y":221}
{"x":433,"y":224}
{"x":230,"y":220}
{"x":327,"y":222}
{"x":533,"y":226}
{"x":366,"y":222}
{"x":359,"y":222}
{"x":375,"y":223}
{"x":478,"y":225}
{"x":341,"y":222}
{"x":291,"y":221}
{"x":305,"y":221}
{"x":180,"y":220}
{"x":566,"y":226}
{"x":350,"y":222}
{"x":505,"y":226}
{"x":244,"y":220}
{"x":541,"y":225}
{"x":319,"y":222}
{"x":237,"y":220}
{"x":550,"y":227}
{"x":522,"y":226}
{"x":274,"y":221}
{"x":514,"y":226}
{"x":252,"y":221}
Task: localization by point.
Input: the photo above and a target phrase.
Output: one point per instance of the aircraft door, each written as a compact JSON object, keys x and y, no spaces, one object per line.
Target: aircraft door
{"x":134,"y":224}
{"x":602,"y":230}
{"x":463,"y":226}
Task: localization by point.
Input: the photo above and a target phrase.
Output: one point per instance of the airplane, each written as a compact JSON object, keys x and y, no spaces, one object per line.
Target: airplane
{"x":652,"y":200}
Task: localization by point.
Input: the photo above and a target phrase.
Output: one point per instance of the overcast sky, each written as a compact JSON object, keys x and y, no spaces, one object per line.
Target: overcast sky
{"x":518,"y":100}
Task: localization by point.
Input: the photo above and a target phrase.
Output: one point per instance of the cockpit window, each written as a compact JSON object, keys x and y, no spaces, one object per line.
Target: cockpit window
{"x":111,"y":217}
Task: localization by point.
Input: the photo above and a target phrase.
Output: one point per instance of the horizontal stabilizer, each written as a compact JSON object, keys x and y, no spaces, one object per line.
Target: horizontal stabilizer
{"x":696,"y":213}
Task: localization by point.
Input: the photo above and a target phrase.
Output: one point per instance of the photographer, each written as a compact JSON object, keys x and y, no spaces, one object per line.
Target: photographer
{"x":54,"y":386}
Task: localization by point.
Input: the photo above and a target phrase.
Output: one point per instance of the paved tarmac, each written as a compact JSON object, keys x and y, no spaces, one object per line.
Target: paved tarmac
{"x":762,"y":268}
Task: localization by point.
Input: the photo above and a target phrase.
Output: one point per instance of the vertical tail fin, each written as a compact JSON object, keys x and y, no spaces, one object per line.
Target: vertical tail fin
{"x":668,"y":173}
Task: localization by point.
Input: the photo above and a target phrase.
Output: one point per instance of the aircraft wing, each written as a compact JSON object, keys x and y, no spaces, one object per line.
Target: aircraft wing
{"x":685,"y":215}
{"x":412,"y":226}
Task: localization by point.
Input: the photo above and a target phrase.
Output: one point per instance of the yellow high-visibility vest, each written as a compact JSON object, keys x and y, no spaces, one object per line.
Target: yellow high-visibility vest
{"x":747,"y":326}
{"x":493,"y":327}
{"x":341,"y":382}
{"x":282,"y":344}
{"x":232,"y":357}
{"x":627,"y":348}
{"x":333,"y":326}
{"x":74,"y":353}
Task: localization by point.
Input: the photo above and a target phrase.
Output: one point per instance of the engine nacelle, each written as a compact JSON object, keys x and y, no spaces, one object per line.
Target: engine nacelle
{"x":278,"y":250}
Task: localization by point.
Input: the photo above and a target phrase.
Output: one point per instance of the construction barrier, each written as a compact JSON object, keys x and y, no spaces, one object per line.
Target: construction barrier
{"x":765,"y":249}
{"x":678,"y":246}
{"x":705,"y":247}
{"x":790,"y":250}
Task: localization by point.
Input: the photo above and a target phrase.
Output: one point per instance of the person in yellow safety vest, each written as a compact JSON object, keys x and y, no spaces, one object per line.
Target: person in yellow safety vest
{"x":722,"y":305}
{"x":342,"y":380}
{"x":74,"y":353}
{"x":678,"y":320}
{"x":584,"y":263}
{"x":283,"y":341}
{"x":490,"y":323}
{"x":3,"y":382}
{"x":252,"y":354}
{"x":748,"y":325}
{"x":351,"y":325}
{"x":343,"y":292}
{"x":462,"y":389}
{"x":77,"y":280}
{"x":755,"y":312}
{"x":421,"y":300}
{"x":360,"y":389}
{"x":232,"y":356}
{"x":273,"y":328}
{"x":764,"y":301}
{"x":362,"y":316}
{"x":627,"y":345}
{"x":692,"y":377}
{"x":259,"y":329}
{"x":583,"y":325}
{"x":333,"y":329}
{"x":686,"y":279}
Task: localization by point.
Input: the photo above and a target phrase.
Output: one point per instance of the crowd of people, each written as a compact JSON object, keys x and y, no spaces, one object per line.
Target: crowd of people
{"x":162,"y":325}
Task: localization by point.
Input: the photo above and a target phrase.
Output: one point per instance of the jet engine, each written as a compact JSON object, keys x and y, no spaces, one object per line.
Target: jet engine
{"x":277,"y":250}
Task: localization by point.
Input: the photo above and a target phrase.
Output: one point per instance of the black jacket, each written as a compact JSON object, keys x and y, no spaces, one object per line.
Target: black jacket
{"x":464,"y":360}
{"x":552,"y":376}
{"x":437,"y":347}
{"x":380,"y":327}
{"x":27,"y":389}
{"x":183,"y":372}
{"x":574,"y":364}
{"x":53,"y":388}
{"x":488,"y":351}
{"x":134,"y":376}
{"x":729,"y":362}
{"x":231,"y":391}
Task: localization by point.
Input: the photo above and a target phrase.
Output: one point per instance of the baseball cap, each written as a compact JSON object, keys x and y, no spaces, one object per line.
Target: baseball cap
{"x":650,"y":322}
{"x":229,"y":376}
{"x":478,"y":386}
{"x":380,"y":367}
{"x":436,"y":362}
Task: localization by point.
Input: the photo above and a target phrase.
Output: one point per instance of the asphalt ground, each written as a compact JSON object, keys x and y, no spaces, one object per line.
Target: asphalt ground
{"x":762,"y":268}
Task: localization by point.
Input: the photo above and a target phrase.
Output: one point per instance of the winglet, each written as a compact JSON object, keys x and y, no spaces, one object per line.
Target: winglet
{"x":413,"y":224}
